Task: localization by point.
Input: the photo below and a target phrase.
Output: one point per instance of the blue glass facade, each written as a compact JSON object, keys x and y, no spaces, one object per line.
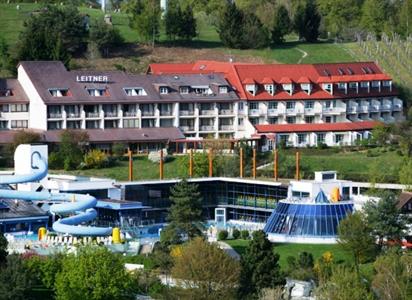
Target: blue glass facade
{"x":307,"y":219}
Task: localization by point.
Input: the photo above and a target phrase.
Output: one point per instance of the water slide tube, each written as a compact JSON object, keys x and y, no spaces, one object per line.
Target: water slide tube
{"x":78,"y":204}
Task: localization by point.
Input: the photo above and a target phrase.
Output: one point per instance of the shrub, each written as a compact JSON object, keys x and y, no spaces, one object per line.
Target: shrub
{"x":223,"y":234}
{"x":55,"y":161}
{"x":322,"y":146}
{"x":244,"y":234}
{"x":118,"y":149}
{"x":236,"y":233}
{"x":96,"y":159}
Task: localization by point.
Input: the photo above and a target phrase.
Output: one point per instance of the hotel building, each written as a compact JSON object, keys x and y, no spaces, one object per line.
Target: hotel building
{"x":298,"y":105}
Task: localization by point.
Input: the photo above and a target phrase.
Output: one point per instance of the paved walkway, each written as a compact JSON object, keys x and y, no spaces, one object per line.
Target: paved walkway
{"x":229,"y":250}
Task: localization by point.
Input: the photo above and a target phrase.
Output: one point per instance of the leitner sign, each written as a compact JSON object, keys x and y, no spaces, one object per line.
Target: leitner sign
{"x":91,"y":78}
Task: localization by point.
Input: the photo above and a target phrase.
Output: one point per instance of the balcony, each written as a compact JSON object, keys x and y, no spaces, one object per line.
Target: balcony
{"x":397,"y":107}
{"x":352,"y":109}
{"x":92,"y":114}
{"x":166,"y":113}
{"x":273,"y":112}
{"x":226,"y":112}
{"x":375,"y":107}
{"x":111,"y":114}
{"x":72,"y":115}
{"x":130,"y":113}
{"x":363,"y":108}
{"x":255,"y":112}
{"x":226,"y":127}
{"x":386,"y":107}
{"x":54,"y":115}
{"x":187,"y":128}
{"x":207,"y":128}
{"x":186,"y":112}
{"x":147,"y":113}
{"x":333,"y":110}
{"x":207,"y":112}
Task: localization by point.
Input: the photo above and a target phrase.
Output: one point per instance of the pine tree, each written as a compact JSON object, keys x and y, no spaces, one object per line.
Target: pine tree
{"x":259,"y":267}
{"x":3,"y":249}
{"x":307,"y":20}
{"x":281,"y":25}
{"x":188,"y":24}
{"x":172,"y":19}
{"x":185,"y":214}
{"x":230,"y":26}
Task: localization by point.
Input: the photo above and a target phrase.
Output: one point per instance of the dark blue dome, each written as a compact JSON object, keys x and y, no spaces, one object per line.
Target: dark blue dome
{"x":307,"y":219}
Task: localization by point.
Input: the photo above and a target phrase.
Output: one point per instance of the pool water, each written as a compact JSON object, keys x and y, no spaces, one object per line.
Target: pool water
{"x":23,"y":236}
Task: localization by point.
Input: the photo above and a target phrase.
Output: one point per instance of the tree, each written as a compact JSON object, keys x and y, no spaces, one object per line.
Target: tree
{"x":307,"y":20}
{"x":230,"y":26}
{"x":6,"y":62}
{"x":22,"y":137}
{"x":3,"y":249}
{"x":104,"y":36}
{"x":393,"y":276}
{"x":45,"y":268}
{"x":53,"y":34}
{"x":188,"y":24}
{"x":185,"y":213}
{"x":374,"y":15}
{"x":255,"y":36}
{"x":71,"y":148}
{"x":343,"y":286}
{"x":302,"y":267}
{"x":206,"y":270}
{"x":145,"y":18}
{"x":94,"y":273}
{"x":282,"y":25}
{"x":15,"y":280}
{"x":259,"y":267}
{"x":355,"y":237}
{"x":385,"y":219}
{"x":179,"y":23}
{"x":381,"y":134}
{"x":405,"y":174}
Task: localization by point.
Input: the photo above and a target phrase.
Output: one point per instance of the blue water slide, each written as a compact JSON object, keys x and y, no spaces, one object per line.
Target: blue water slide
{"x":78,"y":204}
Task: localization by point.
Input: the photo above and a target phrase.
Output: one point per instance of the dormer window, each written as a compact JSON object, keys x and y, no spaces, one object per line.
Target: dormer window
{"x":163,"y":90}
{"x":59,"y":92}
{"x":386,"y":83}
{"x":184,"y":90}
{"x":353,"y":85}
{"x":270,"y":89}
{"x":223,"y":89}
{"x":6,"y":93}
{"x":306,"y":87}
{"x":251,"y":88}
{"x":97,"y":92}
{"x":376,"y":83}
{"x":201,"y":90}
{"x":328,"y":87}
{"x":342,"y":85}
{"x":135,"y":91}
{"x":288,"y":87}
{"x":364,"y":84}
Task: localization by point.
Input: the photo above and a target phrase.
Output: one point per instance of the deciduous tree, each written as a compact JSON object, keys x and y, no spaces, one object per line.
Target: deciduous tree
{"x":3,"y":249}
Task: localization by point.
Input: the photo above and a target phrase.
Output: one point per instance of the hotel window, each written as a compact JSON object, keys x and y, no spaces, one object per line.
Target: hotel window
{"x":309,"y":104}
{"x":166,"y":123}
{"x":330,"y":119}
{"x":163,"y":90}
{"x":251,"y":88}
{"x":342,"y":85}
{"x":273,"y":105}
{"x":386,"y":83}
{"x":3,"y":125}
{"x":240,"y":122}
{"x":110,"y":110}
{"x":302,"y":138}
{"x":290,"y":105}
{"x":375,"y":83}
{"x":111,"y":124}
{"x":73,"y":124}
{"x":309,"y":119}
{"x":183,"y":90}
{"x":19,"y":107}
{"x":148,"y":123}
{"x":201,"y":90}
{"x":54,"y":125}
{"x":364,"y":84}
{"x":291,"y":120}
{"x":320,"y":138}
{"x":6,"y":93}
{"x":338,"y":138}
{"x":95,"y":124}
{"x":59,"y":92}
{"x":240,"y":106}
{"x":306,"y":87}
{"x":19,"y":123}
{"x":223,"y":89}
{"x":4,"y":108}
{"x":273,"y":120}
{"x":288,"y":87}
{"x":132,"y":123}
{"x":97,"y":92}
{"x":254,"y":121}
{"x":270,"y":89}
{"x":353,"y":85}
{"x":328,"y":87}
{"x":254,"y":105}
{"x":136,"y":91}
{"x":72,"y":111}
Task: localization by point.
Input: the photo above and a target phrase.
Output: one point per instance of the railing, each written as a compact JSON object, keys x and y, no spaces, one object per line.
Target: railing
{"x":73,"y":115}
{"x":92,"y":114}
{"x":226,"y":112}
{"x":226,"y":127}
{"x":273,"y":111}
{"x":397,"y":106}
{"x":207,"y":112}
{"x":254,"y":112}
{"x":130,"y":113}
{"x":147,"y":113}
{"x":352,"y":109}
{"x":111,"y":114}
{"x":386,"y":107}
{"x":312,"y":110}
{"x":186,"y":112}
{"x":375,"y":107}
{"x":54,"y":115}
{"x":166,"y":112}
{"x":207,"y":128}
{"x":187,"y":128}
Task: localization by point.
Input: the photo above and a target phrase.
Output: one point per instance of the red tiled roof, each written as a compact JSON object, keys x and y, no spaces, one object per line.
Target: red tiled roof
{"x":267,"y":80}
{"x":285,"y":80}
{"x":248,"y":81}
{"x":316,"y":127}
{"x":303,"y":79}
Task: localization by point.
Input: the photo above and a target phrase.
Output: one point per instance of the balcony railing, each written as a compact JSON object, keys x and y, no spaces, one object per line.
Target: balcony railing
{"x":226,"y":127}
{"x":92,"y":114}
{"x":73,"y":115}
{"x":254,"y":112}
{"x":337,"y":109}
{"x":226,"y":112}
{"x":207,"y":112}
{"x":130,"y":113}
{"x":352,"y":109}
{"x":375,"y":107}
{"x":187,"y":128}
{"x":397,"y":106}
{"x":386,"y":106}
{"x":111,"y":114}
{"x":207,"y":128}
{"x":166,"y":112}
{"x":186,"y":112}
{"x":54,"y":115}
{"x":147,"y":113}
